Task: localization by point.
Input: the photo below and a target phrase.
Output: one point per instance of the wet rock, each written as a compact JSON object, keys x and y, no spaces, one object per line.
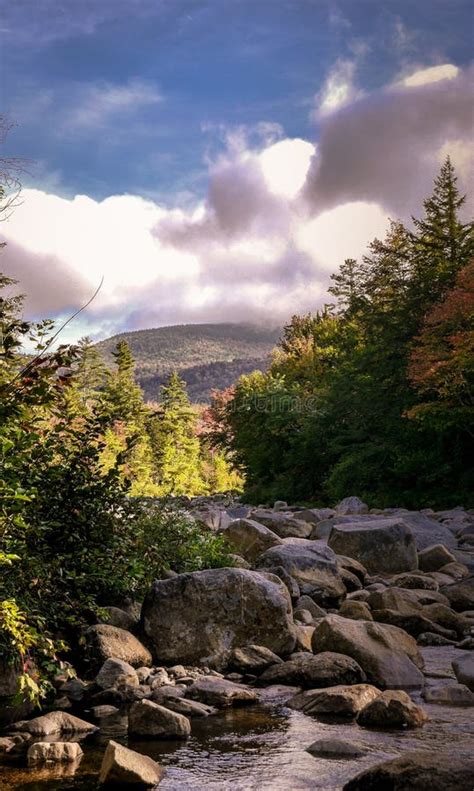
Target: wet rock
{"x":464,"y":669}
{"x":221,"y":693}
{"x":350,"y":506}
{"x":336,"y":748}
{"x":112,"y":670}
{"x":460,"y":594}
{"x":388,"y":655}
{"x":110,"y":642}
{"x":392,"y":709}
{"x":201,"y":617}
{"x":249,"y":538}
{"x":122,"y":767}
{"x":253,"y":659}
{"x":417,"y":771}
{"x":312,"y":565}
{"x":340,"y":700}
{"x":284,"y":525}
{"x":450,"y":695}
{"x":323,"y":670}
{"x":146,"y":718}
{"x":54,"y":723}
{"x":189,"y":708}
{"x":434,"y":557}
{"x":13,"y":747}
{"x":53,"y":753}
{"x":380,"y":545}
{"x":357,"y":610}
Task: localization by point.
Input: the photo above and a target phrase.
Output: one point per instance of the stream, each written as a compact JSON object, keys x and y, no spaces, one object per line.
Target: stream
{"x":263,"y":747}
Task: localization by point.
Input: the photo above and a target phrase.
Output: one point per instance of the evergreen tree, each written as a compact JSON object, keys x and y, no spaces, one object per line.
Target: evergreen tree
{"x":90,"y":374}
{"x":123,"y":396}
{"x":175,"y":446}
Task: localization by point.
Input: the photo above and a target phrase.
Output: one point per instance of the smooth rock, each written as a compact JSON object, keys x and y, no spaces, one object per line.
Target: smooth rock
{"x":392,"y":709}
{"x":323,"y":670}
{"x":199,"y":618}
{"x":221,"y":693}
{"x":336,"y":748}
{"x":110,"y":642}
{"x":450,"y":695}
{"x":122,"y":767}
{"x":464,"y":669}
{"x":389,"y":657}
{"x":146,"y":718}
{"x":112,"y":670}
{"x":417,"y":771}
{"x":249,"y":538}
{"x":341,"y":700}
{"x":385,"y":545}
{"x":434,"y":557}
{"x":253,"y":659}
{"x":357,"y":610}
{"x":53,"y":723}
{"x":53,"y":752}
{"x":460,"y":594}
{"x":284,"y":525}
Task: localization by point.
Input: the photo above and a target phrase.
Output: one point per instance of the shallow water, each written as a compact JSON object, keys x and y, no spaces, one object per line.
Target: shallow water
{"x":263,"y":747}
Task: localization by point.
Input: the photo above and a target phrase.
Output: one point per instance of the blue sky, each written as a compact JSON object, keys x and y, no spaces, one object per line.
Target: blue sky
{"x":173,"y":102}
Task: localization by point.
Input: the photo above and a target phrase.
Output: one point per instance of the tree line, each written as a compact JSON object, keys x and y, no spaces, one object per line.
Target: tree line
{"x":373,"y":394}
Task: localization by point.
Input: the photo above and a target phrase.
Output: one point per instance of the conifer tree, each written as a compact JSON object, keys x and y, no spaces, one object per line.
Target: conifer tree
{"x":174,"y":441}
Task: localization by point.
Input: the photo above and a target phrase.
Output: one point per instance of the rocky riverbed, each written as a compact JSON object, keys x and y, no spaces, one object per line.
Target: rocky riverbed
{"x":336,"y":653}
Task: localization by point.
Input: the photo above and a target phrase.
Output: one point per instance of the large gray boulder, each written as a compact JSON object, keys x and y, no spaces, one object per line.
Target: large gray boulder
{"x":387,"y":654}
{"x":124,"y":768}
{"x":283,"y":524}
{"x":200,"y":618}
{"x":385,"y":545}
{"x":54,"y":723}
{"x":342,"y":701}
{"x":249,"y":539}
{"x":311,"y":564}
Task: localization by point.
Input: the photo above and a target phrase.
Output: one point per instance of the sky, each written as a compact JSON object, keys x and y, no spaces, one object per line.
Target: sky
{"x":217,"y":160}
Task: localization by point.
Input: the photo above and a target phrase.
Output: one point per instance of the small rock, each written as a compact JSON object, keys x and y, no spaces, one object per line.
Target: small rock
{"x":336,"y":748}
{"x":112,"y":670}
{"x":253,"y":658}
{"x":190,"y":708}
{"x":350,"y":506}
{"x":323,"y":670}
{"x":221,"y":693}
{"x":433,"y":558}
{"x":357,"y":610}
{"x":122,"y":767}
{"x":450,"y":695}
{"x":464,"y":669}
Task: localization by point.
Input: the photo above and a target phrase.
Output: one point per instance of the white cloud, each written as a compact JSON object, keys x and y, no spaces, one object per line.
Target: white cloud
{"x":285,"y":165}
{"x":100,"y":103}
{"x":447,"y":71}
{"x":338,"y":89}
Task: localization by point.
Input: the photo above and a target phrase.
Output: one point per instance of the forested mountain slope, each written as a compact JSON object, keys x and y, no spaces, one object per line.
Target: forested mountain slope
{"x":206,"y":355}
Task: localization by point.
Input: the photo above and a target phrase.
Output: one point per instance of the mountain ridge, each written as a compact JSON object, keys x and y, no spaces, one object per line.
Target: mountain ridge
{"x":206,"y":355}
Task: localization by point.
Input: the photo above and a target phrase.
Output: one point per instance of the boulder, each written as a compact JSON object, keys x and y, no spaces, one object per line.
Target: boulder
{"x":450,"y":695}
{"x":122,"y":767}
{"x":340,"y":701}
{"x":199,"y":618}
{"x":220,"y":692}
{"x":146,"y":718}
{"x":284,"y":525}
{"x":417,"y":771}
{"x":307,"y":603}
{"x":446,"y":617}
{"x":189,"y":708}
{"x":385,"y":545}
{"x":434,"y":557}
{"x":53,"y":724}
{"x":414,"y":581}
{"x":315,"y":515}
{"x":392,"y":709}
{"x":427,"y":531}
{"x":253,"y":659}
{"x":336,"y":748}
{"x":290,"y":583}
{"x":117,"y":617}
{"x":464,"y":669}
{"x":353,"y":566}
{"x":460,"y":594}
{"x":388,"y":655}
{"x":324,"y":670}
{"x":312,"y":565}
{"x":357,"y":610}
{"x":458,"y":571}
{"x":53,"y":753}
{"x":110,"y":642}
{"x":350,"y":506}
{"x":114,"y":669}
{"x":249,"y":538}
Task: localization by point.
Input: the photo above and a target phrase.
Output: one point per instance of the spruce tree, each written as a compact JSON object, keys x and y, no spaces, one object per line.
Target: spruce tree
{"x":174,"y":442}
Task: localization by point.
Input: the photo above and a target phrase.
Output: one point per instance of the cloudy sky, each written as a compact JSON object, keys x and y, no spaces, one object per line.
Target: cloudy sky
{"x":216,"y":160}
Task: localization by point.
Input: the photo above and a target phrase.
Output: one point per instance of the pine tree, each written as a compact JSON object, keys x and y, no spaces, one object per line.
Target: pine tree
{"x":174,"y":442}
{"x":123,"y":396}
{"x":442,"y":244}
{"x":90,"y":375}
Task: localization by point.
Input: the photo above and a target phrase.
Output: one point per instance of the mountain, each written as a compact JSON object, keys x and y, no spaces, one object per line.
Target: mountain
{"x":207,"y":356}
